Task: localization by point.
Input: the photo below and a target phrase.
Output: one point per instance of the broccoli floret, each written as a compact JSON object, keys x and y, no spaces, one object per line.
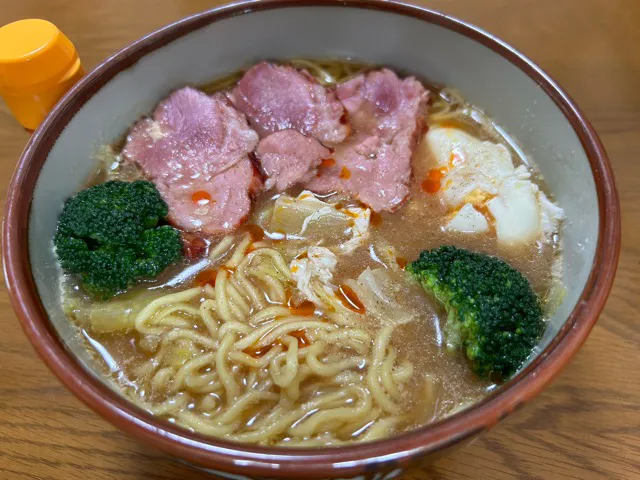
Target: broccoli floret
{"x":108,"y":234}
{"x":493,"y":314}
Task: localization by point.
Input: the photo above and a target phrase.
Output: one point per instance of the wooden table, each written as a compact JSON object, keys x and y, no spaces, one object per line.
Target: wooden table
{"x":585,"y":426}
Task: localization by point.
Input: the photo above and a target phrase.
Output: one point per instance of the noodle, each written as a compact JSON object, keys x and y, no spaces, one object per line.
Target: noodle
{"x":248,"y":354}
{"x":446,"y":106}
{"x":329,"y":72}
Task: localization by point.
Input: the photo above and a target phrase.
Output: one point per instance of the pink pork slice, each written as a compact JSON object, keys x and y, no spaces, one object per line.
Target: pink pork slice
{"x":277,"y":97}
{"x":288,"y":157}
{"x":195,"y":149}
{"x":374,"y":164}
{"x":219,"y":205}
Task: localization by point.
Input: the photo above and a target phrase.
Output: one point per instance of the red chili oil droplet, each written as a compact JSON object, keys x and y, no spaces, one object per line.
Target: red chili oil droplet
{"x":433,"y":181}
{"x":257,"y":352}
{"x":256,"y":232}
{"x":301,"y":335}
{"x":376,"y":219}
{"x":201,"y":197}
{"x":206,"y":277}
{"x":350,"y":299}
{"x":328,"y":163}
{"x":304,"y":309}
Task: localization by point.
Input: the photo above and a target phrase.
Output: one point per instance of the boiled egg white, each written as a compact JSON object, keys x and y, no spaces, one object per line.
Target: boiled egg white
{"x":479,"y":176}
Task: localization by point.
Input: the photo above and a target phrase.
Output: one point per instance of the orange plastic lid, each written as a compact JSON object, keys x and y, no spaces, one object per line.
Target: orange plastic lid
{"x":34,"y":54}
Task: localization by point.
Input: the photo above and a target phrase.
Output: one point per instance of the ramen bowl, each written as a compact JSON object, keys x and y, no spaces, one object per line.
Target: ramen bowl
{"x":490,"y":74}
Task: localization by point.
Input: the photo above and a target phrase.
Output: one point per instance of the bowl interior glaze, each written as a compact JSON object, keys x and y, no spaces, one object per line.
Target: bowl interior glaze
{"x":488,"y":73}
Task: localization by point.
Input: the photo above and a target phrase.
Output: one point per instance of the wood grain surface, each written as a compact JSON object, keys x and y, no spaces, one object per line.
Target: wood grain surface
{"x":585,"y":426}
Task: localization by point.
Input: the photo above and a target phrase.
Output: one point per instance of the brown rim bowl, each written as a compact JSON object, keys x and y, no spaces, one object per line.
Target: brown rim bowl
{"x":470,"y":59}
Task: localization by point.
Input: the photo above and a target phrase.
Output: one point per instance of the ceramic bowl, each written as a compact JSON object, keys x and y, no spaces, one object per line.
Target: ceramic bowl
{"x":516,"y":93}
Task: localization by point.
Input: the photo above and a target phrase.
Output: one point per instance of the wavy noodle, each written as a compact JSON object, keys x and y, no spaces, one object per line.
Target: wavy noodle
{"x":375,"y":375}
{"x":228,"y":359}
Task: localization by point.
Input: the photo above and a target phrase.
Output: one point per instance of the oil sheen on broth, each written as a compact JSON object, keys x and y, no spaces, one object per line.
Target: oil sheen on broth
{"x":186,"y":379}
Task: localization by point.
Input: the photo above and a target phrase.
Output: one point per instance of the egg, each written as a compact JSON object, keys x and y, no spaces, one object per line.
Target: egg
{"x":468,"y":220}
{"x":314,"y":273}
{"x":550,"y":216}
{"x":359,"y":230}
{"x":470,"y":165}
{"x":516,"y":212}
{"x":479,"y":176}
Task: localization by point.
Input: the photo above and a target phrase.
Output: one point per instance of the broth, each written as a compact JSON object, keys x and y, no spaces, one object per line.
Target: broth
{"x":443,"y":382}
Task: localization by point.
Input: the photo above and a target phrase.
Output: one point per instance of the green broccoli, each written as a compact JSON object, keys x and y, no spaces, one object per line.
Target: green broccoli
{"x":493,"y":314}
{"x":108,"y":234}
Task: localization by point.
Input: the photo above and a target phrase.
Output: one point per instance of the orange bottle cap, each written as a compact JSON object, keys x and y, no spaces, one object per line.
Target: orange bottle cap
{"x":34,"y":55}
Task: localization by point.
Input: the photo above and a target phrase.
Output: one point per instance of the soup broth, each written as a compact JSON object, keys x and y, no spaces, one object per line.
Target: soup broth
{"x":228,"y":344}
